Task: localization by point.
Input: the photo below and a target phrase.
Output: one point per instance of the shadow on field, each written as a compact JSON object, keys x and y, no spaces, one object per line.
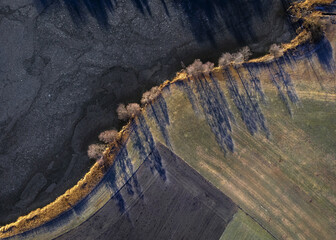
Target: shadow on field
{"x":203,"y":16}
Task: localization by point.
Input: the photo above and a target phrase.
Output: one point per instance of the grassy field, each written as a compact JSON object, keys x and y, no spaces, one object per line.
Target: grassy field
{"x":282,"y":169}
{"x":244,"y":227}
{"x":264,"y":134}
{"x":181,"y":206}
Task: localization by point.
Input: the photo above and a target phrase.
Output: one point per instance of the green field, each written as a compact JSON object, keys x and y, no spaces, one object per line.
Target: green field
{"x":243,"y":227}
{"x":285,"y":181}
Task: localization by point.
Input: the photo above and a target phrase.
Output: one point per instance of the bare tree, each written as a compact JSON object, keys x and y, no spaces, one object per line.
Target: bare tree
{"x":197,"y":67}
{"x":208,"y":67}
{"x":124,"y":113}
{"x":150,"y":95}
{"x":276,"y":50}
{"x":225,"y":60}
{"x":246,"y":52}
{"x":133,"y":109}
{"x":108,"y":136}
{"x":95,"y":151}
{"x":237,"y":58}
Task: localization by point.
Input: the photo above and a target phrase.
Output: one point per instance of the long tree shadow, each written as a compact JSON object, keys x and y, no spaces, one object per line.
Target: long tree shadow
{"x":321,"y":49}
{"x":144,"y":144}
{"x":142,"y":6}
{"x":246,"y":103}
{"x":204,"y":17}
{"x":278,"y":80}
{"x":215,"y":108}
{"x":79,"y":9}
{"x":159,"y":112}
{"x":98,"y":9}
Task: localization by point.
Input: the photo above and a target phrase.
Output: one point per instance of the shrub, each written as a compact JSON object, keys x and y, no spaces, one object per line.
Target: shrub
{"x":316,"y":27}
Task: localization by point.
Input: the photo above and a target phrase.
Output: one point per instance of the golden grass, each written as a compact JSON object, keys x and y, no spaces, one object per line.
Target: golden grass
{"x":273,"y":181}
{"x":60,"y":205}
{"x":70,"y":197}
{"x":91,"y":179}
{"x":309,"y":4}
{"x":312,"y":25}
